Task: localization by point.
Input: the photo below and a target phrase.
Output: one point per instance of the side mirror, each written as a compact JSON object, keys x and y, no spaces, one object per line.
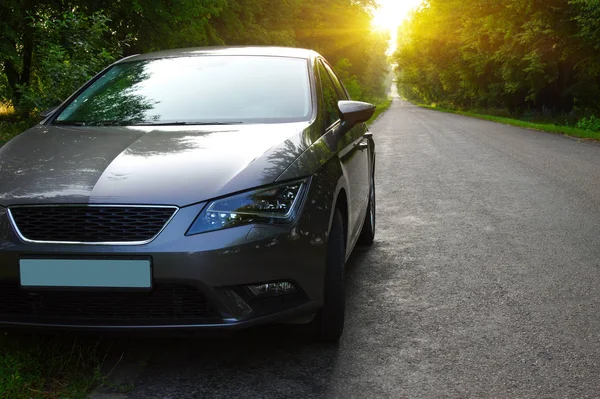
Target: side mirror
{"x":355,"y":112}
{"x":49,"y":111}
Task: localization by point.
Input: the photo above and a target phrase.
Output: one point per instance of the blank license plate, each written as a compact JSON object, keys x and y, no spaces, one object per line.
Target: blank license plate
{"x":93,"y":273}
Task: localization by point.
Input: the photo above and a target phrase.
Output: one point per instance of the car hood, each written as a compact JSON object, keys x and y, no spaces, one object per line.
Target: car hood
{"x":174,"y":165}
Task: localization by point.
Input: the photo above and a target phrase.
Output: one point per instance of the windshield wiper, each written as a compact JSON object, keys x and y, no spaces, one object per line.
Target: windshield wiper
{"x":94,"y":123}
{"x":69,"y":123}
{"x":128,"y":123}
{"x":181,"y":123}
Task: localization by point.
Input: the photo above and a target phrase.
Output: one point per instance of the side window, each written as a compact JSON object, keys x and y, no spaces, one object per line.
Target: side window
{"x":330,"y":96}
{"x":338,"y":86}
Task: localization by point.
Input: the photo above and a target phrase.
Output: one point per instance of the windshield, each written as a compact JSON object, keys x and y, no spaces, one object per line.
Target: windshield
{"x":195,"y":90}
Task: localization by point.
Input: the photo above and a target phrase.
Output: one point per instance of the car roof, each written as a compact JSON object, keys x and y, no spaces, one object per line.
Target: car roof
{"x":273,"y":51}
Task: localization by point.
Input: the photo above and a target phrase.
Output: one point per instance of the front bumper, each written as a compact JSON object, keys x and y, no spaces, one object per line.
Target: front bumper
{"x":198,"y":281}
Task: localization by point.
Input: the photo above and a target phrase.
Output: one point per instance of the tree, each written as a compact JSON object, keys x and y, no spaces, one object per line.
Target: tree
{"x":50,"y":47}
{"x":530,"y":55}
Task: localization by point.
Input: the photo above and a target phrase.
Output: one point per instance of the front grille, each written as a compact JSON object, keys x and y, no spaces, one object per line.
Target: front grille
{"x":164,"y":304}
{"x":90,"y":224}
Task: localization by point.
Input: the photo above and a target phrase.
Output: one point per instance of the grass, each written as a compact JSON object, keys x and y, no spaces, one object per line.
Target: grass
{"x":544,"y":127}
{"x":49,"y":366}
{"x":382,"y":106}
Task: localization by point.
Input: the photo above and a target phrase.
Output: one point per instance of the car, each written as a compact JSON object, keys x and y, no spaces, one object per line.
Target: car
{"x":197,"y":188}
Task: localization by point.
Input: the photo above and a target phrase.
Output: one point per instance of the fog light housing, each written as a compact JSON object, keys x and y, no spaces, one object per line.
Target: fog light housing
{"x":271,"y":289}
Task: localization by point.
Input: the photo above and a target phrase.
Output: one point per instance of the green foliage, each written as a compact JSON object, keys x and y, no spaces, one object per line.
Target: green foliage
{"x":592,"y":123}
{"x":587,"y":16}
{"x":382,"y":106}
{"x":343,"y":69}
{"x":151,"y":25}
{"x":341,"y":31}
{"x":257,"y":22}
{"x":544,"y":127}
{"x":48,"y":367}
{"x":524,"y":56}
{"x":48,"y":48}
{"x":71,"y":48}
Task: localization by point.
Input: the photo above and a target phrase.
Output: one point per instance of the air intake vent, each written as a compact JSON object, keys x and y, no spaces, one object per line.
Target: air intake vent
{"x":164,"y":304}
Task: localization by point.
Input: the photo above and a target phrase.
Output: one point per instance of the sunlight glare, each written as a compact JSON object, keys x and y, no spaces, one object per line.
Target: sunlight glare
{"x":390,"y":15}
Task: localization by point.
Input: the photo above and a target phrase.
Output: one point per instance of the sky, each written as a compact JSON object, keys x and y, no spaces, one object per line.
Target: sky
{"x":390,"y":15}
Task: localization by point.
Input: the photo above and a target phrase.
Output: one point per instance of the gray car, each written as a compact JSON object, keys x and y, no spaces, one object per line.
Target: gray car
{"x":189,"y":189}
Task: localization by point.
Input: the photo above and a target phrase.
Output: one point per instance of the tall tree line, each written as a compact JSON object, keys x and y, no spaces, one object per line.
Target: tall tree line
{"x":526,"y":56}
{"x":50,"y":47}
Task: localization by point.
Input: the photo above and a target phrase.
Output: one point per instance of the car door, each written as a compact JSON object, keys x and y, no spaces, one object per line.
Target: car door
{"x":354,"y":153}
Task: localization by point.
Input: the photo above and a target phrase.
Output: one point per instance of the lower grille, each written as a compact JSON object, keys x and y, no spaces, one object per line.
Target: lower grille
{"x":164,"y":304}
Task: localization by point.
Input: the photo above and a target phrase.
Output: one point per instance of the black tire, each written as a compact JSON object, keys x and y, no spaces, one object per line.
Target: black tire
{"x":328,"y":324}
{"x":367,"y":234}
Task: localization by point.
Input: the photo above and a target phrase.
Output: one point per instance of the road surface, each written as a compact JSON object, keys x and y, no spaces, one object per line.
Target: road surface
{"x":484,"y":281}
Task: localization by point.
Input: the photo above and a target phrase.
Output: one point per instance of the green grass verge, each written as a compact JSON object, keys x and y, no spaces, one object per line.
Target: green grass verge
{"x":544,"y":127}
{"x":382,"y":106}
{"x":49,"y":366}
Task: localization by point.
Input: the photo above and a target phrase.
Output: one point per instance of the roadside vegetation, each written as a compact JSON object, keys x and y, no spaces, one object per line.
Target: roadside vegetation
{"x":530,"y":63}
{"x":49,"y":366}
{"x":382,"y":106}
{"x":544,"y":127}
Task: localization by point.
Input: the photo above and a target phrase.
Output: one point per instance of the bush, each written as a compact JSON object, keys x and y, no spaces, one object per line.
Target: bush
{"x":72,"y":48}
{"x":592,"y":123}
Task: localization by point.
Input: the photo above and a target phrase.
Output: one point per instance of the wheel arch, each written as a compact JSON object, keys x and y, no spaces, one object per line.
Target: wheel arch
{"x":341,"y":203}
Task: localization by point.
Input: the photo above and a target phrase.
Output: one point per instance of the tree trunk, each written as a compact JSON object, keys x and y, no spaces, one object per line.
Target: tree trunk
{"x":18,"y":82}
{"x":12,"y":76}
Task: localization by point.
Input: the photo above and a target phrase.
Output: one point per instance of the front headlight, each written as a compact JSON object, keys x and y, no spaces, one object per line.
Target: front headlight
{"x":277,"y":204}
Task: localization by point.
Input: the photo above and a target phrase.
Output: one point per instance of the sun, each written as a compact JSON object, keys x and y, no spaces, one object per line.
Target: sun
{"x":390,"y":15}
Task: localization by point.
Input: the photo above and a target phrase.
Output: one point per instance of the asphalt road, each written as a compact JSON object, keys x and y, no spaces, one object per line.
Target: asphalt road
{"x":484,"y":281}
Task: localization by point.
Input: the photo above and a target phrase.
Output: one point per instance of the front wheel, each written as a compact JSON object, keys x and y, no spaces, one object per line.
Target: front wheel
{"x":328,"y":324}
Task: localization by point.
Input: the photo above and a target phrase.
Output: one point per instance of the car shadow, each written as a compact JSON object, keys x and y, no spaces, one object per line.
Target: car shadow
{"x":265,"y":360}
